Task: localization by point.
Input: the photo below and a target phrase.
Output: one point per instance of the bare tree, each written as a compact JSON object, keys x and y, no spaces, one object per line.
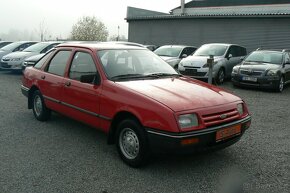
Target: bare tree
{"x":42,"y":30}
{"x":89,"y":29}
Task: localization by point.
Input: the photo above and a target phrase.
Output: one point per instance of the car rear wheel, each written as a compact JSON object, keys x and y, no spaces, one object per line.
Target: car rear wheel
{"x":220,"y":78}
{"x":280,"y":86}
{"x":40,"y":111}
{"x":131,"y":143}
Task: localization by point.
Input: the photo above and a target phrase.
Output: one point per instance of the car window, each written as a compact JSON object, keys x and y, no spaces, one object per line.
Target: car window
{"x":58,"y":63}
{"x":234,"y":51}
{"x":49,"y":47}
{"x":82,"y":64}
{"x":188,"y":51}
{"x":265,"y":57}
{"x":23,"y":46}
{"x":40,"y":63}
{"x":169,"y":51}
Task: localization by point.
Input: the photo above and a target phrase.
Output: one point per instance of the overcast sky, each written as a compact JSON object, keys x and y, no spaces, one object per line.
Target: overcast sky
{"x":59,"y":15}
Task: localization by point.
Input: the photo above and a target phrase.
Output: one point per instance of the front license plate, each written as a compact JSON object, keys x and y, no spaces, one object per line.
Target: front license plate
{"x":248,"y":78}
{"x":228,"y":132}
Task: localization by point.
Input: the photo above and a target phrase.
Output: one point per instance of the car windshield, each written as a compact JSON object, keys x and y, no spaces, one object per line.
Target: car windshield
{"x":170,"y":51}
{"x":122,"y":64}
{"x":36,"y":47}
{"x":265,"y":57}
{"x":11,"y":46}
{"x":211,"y":49}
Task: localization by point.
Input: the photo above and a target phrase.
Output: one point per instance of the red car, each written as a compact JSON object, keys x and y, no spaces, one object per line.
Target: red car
{"x":136,"y":98}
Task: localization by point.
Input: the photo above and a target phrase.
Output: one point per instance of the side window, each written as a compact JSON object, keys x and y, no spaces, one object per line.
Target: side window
{"x":243,"y":51}
{"x":40,"y":63}
{"x":287,"y":58}
{"x":188,"y":51}
{"x":48,"y":48}
{"x":58,"y":62}
{"x":82,"y":64}
{"x":234,"y":51}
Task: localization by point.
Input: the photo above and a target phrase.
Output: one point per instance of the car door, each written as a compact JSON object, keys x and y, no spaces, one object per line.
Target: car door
{"x":232,"y":59}
{"x":82,"y":99}
{"x":50,"y":81}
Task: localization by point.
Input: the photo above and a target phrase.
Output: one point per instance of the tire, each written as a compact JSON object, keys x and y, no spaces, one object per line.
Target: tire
{"x":280,"y":86}
{"x":132,"y":143}
{"x":40,"y":111}
{"x":220,"y":77}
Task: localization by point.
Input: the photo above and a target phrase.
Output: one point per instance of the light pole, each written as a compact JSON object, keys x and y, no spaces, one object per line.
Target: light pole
{"x":118,"y":33}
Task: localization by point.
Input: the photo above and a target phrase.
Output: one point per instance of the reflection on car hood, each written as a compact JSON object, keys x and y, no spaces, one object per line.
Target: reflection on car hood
{"x":20,"y":54}
{"x":198,"y":61}
{"x":182,"y":93}
{"x":34,"y":58}
{"x":167,"y":58}
{"x":259,"y":66}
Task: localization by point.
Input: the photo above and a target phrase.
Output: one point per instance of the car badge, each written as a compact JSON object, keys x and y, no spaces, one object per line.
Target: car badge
{"x":223,"y":116}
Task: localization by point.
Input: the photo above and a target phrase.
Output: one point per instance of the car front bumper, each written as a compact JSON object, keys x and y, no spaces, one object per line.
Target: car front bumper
{"x":261,"y":82}
{"x":10,"y":66}
{"x":204,"y":139}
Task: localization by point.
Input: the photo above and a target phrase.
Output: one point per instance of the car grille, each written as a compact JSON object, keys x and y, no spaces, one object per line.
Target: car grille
{"x":251,"y":72}
{"x":5,"y":59}
{"x":192,"y":72}
{"x":5,"y":65}
{"x":220,"y":117}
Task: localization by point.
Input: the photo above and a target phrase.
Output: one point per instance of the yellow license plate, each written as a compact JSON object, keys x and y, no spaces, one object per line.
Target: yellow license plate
{"x":228,"y":132}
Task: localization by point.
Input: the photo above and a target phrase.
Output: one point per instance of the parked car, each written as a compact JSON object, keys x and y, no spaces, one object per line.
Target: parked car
{"x":13,"y":61}
{"x":31,"y":61}
{"x":265,"y":69}
{"x":151,"y":47}
{"x":135,"y":97}
{"x":172,"y":54}
{"x":4,"y":43}
{"x":13,"y":47}
{"x":226,"y":56}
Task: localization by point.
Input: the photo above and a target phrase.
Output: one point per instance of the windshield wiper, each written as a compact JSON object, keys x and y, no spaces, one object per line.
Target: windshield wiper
{"x":161,"y":74}
{"x":126,"y":76}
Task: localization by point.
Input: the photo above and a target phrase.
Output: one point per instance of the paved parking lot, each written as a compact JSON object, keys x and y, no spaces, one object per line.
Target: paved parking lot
{"x":63,"y":155}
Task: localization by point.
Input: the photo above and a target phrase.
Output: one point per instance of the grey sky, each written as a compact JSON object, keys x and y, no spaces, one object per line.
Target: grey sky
{"x":58,"y":16}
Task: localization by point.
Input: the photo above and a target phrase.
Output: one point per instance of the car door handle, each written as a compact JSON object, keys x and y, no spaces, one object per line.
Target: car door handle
{"x":42,"y":77}
{"x":67,"y":83}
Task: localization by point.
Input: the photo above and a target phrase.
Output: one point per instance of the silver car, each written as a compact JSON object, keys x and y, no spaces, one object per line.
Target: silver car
{"x":13,"y":61}
{"x":226,"y":56}
{"x":172,"y":54}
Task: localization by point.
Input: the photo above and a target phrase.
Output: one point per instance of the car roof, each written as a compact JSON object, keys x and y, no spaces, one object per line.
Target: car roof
{"x":273,"y":50}
{"x":179,"y":46}
{"x":100,"y":45}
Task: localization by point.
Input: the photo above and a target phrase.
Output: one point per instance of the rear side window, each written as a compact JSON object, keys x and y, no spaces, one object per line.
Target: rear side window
{"x":58,"y":63}
{"x":40,"y":63}
{"x":237,"y":51}
{"x":82,"y":64}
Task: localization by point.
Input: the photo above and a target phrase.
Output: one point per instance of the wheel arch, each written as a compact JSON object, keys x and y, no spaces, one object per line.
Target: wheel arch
{"x":122,"y":115}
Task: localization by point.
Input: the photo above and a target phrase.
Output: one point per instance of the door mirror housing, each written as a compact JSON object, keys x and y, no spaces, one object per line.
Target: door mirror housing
{"x":183,"y":56}
{"x":91,"y":78}
{"x":229,"y":56}
{"x":242,"y":58}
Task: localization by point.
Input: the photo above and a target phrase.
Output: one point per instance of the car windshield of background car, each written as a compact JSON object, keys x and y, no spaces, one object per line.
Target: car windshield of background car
{"x":207,"y":50}
{"x":36,"y":47}
{"x":137,"y":63}
{"x":11,"y":46}
{"x":168,"y":51}
{"x":265,"y":57}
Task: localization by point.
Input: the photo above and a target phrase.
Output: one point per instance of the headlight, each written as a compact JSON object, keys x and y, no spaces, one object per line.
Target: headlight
{"x":187,"y":121}
{"x":235,"y":70}
{"x":272,"y":73}
{"x":240,"y":108}
{"x":15,"y":59}
{"x":26,"y":63}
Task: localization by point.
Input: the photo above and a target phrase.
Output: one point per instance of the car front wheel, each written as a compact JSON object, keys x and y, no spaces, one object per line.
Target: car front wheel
{"x":131,"y":143}
{"x":220,"y":76}
{"x":40,"y":111}
{"x":280,"y":86}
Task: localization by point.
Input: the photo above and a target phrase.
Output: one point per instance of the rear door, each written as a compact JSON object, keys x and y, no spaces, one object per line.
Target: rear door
{"x":287,"y":67}
{"x":52,"y":79}
{"x":82,"y":100}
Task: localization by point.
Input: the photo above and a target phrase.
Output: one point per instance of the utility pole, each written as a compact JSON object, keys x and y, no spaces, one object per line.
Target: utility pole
{"x":118,"y":33}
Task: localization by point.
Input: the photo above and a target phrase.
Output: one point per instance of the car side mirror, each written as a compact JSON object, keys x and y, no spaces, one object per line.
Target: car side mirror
{"x":91,"y":78}
{"x":184,"y":56}
{"x":229,"y":56}
{"x":242,"y":58}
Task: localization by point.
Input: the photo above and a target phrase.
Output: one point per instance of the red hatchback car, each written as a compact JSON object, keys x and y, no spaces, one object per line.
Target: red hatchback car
{"x":136,"y":98}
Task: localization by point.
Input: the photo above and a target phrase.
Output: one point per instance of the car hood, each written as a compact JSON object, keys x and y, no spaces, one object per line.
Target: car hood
{"x":34,"y":58}
{"x":20,"y":54}
{"x":259,"y":66}
{"x":198,"y":61}
{"x":168,"y":58}
{"x":181,"y":94}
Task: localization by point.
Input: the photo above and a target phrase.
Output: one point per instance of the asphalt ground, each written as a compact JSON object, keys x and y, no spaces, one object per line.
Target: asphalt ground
{"x":63,"y":155}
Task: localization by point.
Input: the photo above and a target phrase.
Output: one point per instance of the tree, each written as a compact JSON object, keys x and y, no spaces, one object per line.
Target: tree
{"x":89,"y":29}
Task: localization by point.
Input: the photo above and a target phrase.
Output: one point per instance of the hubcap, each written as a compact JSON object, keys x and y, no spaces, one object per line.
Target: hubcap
{"x":281,"y":85}
{"x":37,"y":105}
{"x":129,"y":143}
